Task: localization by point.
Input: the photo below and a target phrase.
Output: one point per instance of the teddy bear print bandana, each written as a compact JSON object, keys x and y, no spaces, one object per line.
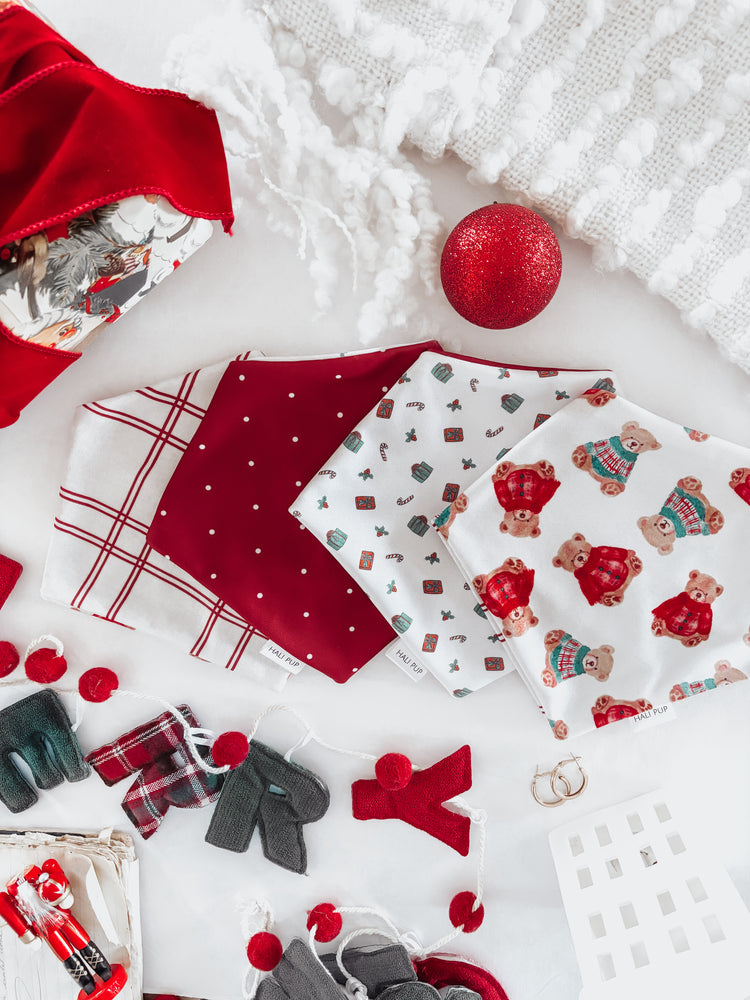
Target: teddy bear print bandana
{"x":411,"y":459}
{"x":606,"y":545}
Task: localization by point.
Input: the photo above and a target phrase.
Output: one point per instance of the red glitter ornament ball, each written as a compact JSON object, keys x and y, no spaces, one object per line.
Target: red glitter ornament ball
{"x":461,"y":912}
{"x":230,"y":748}
{"x":45,"y":665}
{"x":326,"y":920}
{"x":9,"y":658}
{"x":393,"y":771}
{"x":264,"y":951}
{"x":97,"y":684}
{"x":500,"y":266}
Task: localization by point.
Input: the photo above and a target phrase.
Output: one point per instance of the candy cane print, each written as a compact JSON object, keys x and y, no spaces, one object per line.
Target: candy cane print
{"x":490,"y":434}
{"x":383,"y":449}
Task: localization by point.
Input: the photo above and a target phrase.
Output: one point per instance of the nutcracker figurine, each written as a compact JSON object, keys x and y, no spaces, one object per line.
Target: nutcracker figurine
{"x":35,"y":906}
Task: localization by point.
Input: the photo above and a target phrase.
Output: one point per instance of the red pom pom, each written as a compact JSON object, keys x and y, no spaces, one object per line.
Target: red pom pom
{"x":327,"y":922}
{"x":98,"y":684}
{"x":230,"y":748}
{"x":462,"y":914}
{"x":500,"y":266}
{"x":45,"y":665}
{"x":393,"y":771}
{"x":264,"y":951}
{"x":9,"y":658}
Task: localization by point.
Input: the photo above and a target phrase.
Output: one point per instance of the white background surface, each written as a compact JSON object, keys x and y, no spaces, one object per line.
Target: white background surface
{"x":251,"y":291}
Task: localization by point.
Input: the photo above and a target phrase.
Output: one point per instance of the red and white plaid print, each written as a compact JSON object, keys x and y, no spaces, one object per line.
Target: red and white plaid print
{"x":615,"y":464}
{"x":686,"y":511}
{"x":565,"y":657}
{"x":124,"y":452}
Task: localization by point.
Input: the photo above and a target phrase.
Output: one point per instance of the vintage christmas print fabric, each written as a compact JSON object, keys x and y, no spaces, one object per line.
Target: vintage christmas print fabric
{"x":59,"y":285}
{"x":99,"y":560}
{"x":608,"y":547}
{"x":408,"y":464}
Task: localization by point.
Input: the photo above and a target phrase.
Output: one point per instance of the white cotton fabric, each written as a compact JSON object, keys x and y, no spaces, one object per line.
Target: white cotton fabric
{"x":399,"y":469}
{"x":626,"y":122}
{"x":645,"y":669}
{"x":124,"y":452}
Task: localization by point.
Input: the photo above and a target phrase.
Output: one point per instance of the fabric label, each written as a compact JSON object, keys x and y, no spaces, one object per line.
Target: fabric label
{"x":403,"y":659}
{"x":281,"y":657}
{"x":654,"y":716}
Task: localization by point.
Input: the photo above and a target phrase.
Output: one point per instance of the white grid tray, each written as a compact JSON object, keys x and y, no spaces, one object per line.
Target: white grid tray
{"x":651,"y":914}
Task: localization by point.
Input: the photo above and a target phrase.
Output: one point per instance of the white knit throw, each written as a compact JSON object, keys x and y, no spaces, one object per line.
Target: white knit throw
{"x":625,"y":120}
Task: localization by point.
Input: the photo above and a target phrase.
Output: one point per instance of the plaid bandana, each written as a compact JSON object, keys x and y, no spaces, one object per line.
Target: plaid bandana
{"x":168,"y":774}
{"x":99,"y":561}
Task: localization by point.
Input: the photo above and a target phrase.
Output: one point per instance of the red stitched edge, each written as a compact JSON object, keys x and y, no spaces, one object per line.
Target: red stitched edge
{"x":30,"y":346}
{"x":12,"y":10}
{"x":226,"y":218}
{"x":87,"y":67}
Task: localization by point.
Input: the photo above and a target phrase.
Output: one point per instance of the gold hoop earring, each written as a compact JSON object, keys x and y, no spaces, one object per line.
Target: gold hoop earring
{"x":557,"y":775}
{"x":555,"y":802}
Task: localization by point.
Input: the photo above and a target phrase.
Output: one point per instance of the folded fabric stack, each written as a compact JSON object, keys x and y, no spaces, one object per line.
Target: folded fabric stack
{"x":257,"y":429}
{"x":485,"y":517}
{"x":419,"y":449}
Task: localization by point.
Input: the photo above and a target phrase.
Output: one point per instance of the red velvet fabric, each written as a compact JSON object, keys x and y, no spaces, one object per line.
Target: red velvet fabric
{"x":25,"y":369}
{"x":420,"y":802}
{"x":75,"y":137}
{"x":224,"y":515}
{"x":442,"y":972}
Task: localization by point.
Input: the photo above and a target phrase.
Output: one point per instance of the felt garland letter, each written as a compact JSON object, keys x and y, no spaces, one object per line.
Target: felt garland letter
{"x":418,"y":798}
{"x":272,"y":793}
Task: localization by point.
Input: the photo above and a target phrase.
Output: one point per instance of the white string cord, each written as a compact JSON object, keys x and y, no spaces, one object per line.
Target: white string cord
{"x":44,"y":640}
{"x":188,"y":732}
{"x":354,"y":987}
{"x":310,"y":734}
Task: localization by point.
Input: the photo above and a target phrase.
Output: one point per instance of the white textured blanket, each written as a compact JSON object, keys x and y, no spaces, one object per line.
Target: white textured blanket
{"x":627,"y":122}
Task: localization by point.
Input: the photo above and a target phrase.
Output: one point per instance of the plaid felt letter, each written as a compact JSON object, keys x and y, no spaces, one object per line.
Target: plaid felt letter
{"x":168,"y":774}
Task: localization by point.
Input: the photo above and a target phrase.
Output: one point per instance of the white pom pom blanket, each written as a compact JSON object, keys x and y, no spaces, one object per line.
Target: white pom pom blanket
{"x":627,"y":122}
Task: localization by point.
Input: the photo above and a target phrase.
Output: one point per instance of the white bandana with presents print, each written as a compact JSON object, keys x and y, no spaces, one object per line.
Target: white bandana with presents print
{"x":405,"y":468}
